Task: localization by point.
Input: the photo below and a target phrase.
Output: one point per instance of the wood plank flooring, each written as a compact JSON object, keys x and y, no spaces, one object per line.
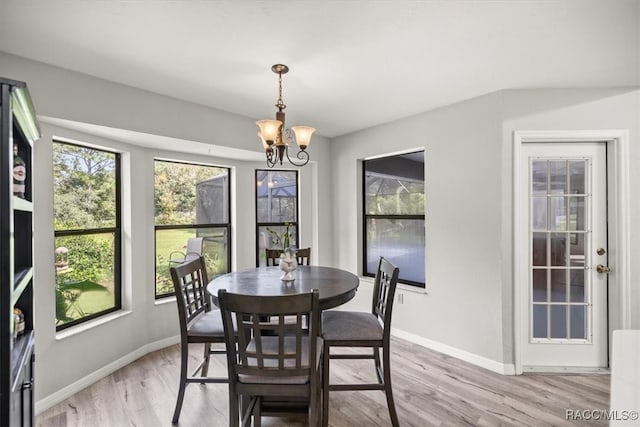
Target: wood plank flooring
{"x":430,"y":389}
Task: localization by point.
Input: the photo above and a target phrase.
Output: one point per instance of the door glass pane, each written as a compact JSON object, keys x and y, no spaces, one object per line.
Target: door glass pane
{"x":539,"y":291}
{"x":558,"y":321}
{"x":559,"y":249}
{"x":539,"y":213}
{"x":576,"y":290}
{"x":539,"y":177}
{"x":576,"y":213}
{"x":577,"y":176}
{"x":558,"y":220}
{"x":559,"y":285}
{"x":540,"y":321}
{"x":558,"y":175}
{"x":578,"y":322}
{"x":539,"y":249}
{"x":576,"y":249}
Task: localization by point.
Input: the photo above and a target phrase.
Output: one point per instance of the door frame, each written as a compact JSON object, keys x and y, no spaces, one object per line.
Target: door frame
{"x":617,"y":141}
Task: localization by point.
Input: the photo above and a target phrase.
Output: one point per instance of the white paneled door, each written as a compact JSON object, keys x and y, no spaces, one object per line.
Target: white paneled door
{"x":564,"y":278}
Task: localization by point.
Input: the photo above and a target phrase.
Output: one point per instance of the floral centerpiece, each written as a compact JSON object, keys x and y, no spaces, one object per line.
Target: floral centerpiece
{"x":281,"y":241}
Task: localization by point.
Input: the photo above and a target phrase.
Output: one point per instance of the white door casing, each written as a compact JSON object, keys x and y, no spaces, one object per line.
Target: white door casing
{"x":536,"y":350}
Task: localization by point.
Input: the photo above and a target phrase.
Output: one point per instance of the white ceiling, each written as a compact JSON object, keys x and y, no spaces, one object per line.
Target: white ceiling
{"x":354,"y":63}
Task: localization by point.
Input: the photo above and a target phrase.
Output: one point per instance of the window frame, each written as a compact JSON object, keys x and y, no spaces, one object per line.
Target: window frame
{"x":226,"y":226}
{"x":366,"y":216}
{"x":117,"y":237}
{"x":295,"y":224}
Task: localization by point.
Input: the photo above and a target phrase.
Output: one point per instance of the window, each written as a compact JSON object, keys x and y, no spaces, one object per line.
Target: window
{"x":87,"y":232}
{"x":394,"y":215}
{"x":192,"y":212}
{"x":276,"y":211}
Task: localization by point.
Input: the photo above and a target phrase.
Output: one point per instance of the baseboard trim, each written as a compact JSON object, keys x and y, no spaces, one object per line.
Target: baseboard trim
{"x":483,"y":362}
{"x":68,"y":391}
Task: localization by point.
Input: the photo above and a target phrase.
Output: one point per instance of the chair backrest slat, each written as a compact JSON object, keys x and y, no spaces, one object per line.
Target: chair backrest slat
{"x":270,"y":338}
{"x":189,"y":283}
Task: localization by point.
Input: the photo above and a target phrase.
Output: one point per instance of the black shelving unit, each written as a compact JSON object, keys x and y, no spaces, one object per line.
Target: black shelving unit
{"x":19,"y":126}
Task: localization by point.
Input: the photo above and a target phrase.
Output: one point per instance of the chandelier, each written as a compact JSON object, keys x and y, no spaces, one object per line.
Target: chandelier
{"x":276,"y":139}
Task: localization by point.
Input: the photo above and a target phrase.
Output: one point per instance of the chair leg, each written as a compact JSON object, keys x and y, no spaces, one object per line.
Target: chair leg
{"x":234,"y":410}
{"x":326,"y":355}
{"x":184,"y":356}
{"x":376,"y":358}
{"x":205,"y":366}
{"x":388,"y":390}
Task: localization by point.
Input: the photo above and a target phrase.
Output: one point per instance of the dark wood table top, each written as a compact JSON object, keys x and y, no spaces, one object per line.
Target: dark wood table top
{"x":335,"y":286}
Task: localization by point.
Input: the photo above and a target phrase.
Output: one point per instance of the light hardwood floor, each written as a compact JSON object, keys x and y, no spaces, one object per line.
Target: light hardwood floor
{"x":430,"y":389}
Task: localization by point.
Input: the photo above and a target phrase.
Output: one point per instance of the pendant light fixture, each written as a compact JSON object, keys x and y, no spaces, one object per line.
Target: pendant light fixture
{"x":276,"y":138}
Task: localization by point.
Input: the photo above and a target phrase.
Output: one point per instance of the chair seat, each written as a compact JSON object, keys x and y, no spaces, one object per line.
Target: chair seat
{"x":350,"y":326}
{"x":208,"y":324}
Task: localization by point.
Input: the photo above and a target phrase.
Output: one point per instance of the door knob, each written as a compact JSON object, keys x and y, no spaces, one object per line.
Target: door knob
{"x":602,"y":268}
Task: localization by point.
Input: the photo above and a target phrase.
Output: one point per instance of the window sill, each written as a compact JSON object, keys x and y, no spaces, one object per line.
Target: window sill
{"x":91,"y":324}
{"x":165,"y":300}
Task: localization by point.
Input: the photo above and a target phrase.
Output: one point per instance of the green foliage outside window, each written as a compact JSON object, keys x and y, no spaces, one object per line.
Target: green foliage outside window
{"x":84,"y":204}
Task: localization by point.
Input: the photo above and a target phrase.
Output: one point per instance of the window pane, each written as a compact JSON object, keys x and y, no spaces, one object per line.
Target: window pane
{"x":85,"y":187}
{"x":273,"y":237}
{"x":539,"y":249}
{"x":539,"y":291}
{"x":401,"y":241}
{"x":171,"y":249}
{"x":577,"y":176}
{"x":578,"y":322}
{"x":277,"y":196}
{"x":559,"y":285}
{"x":85,"y":282}
{"x":540,"y":321}
{"x":559,"y":321}
{"x":395,"y":185}
{"x":558,"y":175}
{"x":190,"y":194}
{"x":539,"y":213}
{"x":539,"y":177}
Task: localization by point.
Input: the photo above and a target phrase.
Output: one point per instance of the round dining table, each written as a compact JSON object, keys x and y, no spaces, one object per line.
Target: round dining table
{"x":335,"y":286}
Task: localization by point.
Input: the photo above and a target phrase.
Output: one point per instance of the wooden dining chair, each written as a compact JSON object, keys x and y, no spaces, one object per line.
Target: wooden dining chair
{"x":304,"y":256}
{"x":277,"y":372}
{"x":273,"y":256}
{"x":199,"y":323}
{"x":360,"y":329}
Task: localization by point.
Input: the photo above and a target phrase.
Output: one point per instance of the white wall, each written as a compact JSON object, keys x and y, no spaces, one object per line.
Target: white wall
{"x":462,"y":143}
{"x":71,"y":360}
{"x":468,"y":305}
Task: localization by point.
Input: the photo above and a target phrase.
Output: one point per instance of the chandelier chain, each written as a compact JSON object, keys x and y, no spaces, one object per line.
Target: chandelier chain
{"x":280,"y":102}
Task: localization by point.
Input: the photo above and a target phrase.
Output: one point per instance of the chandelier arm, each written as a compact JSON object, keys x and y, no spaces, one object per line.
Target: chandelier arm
{"x":301,"y":155}
{"x":271,"y":162}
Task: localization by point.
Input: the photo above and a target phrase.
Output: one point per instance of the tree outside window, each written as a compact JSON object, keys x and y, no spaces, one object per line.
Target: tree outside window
{"x":87,"y":232}
{"x":191,"y":201}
